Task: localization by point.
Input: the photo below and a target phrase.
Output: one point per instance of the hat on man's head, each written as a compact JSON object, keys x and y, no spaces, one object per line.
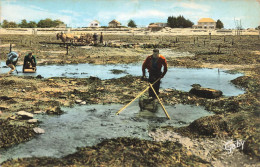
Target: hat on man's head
{"x":156,"y":50}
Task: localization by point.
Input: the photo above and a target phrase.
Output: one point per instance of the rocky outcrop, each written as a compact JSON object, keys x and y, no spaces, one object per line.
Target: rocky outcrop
{"x":205,"y":92}
{"x":54,"y":110}
{"x":24,"y":115}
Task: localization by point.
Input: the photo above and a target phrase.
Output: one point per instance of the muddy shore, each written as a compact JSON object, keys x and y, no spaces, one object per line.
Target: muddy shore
{"x":236,"y":117}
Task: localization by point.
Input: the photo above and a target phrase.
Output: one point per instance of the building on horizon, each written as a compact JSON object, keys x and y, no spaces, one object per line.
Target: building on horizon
{"x":205,"y":23}
{"x":114,"y":23}
{"x":94,"y":23}
{"x":61,"y":26}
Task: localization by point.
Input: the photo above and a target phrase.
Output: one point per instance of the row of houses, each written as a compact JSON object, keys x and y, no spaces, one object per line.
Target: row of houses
{"x":203,"y":23}
{"x":113,"y":23}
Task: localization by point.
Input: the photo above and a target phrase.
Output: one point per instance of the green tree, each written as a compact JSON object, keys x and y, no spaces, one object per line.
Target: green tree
{"x":57,"y":22}
{"x":132,"y":24}
{"x":32,"y":24}
{"x":12,"y":24}
{"x":23,"y":24}
{"x":5,"y":24}
{"x":47,"y":23}
{"x":179,"y":22}
{"x":172,"y":22}
{"x":219,"y":24}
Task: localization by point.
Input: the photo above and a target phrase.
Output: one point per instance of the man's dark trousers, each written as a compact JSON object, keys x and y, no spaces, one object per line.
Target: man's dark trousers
{"x":153,"y":76}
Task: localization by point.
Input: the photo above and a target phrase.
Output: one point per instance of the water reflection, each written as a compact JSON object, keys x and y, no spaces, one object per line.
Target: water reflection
{"x":176,"y":78}
{"x":88,"y":125}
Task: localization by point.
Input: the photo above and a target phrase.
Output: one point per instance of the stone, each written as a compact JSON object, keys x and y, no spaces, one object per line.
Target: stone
{"x":168,"y":90}
{"x":39,"y":76}
{"x":38,"y":112}
{"x":83,"y":103}
{"x":54,"y":110}
{"x":39,"y":130}
{"x":32,"y":121}
{"x":205,"y":92}
{"x":12,"y":117}
{"x":25,"y":115}
{"x":78,"y":101}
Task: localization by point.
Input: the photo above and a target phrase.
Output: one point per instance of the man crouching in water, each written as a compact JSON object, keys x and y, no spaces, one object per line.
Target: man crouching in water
{"x":154,"y":65}
{"x":29,"y":62}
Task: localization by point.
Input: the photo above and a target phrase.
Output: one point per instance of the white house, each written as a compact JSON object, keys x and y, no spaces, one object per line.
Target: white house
{"x":206,"y":23}
{"x":94,"y":23}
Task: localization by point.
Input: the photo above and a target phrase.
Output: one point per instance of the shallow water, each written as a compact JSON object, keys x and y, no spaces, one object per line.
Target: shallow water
{"x":176,"y":78}
{"x":89,"y":124}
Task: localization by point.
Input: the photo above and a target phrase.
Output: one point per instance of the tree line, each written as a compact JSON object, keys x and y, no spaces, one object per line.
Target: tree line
{"x":46,"y":23}
{"x":173,"y":22}
{"x":181,"y":22}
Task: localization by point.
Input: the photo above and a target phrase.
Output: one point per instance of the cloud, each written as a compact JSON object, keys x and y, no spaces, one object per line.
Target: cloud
{"x":37,"y":8}
{"x":123,"y":16}
{"x":17,"y":13}
{"x":193,"y":6}
{"x":70,"y":12}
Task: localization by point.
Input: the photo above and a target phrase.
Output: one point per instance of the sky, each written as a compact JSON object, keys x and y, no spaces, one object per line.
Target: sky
{"x":79,"y":13}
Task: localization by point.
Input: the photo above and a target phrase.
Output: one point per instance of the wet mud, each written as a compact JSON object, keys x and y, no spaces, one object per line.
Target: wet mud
{"x":236,"y":117}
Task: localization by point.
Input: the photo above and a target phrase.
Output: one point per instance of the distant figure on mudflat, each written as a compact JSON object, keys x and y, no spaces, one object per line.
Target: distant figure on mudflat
{"x":101,"y":38}
{"x":154,"y":65}
{"x":95,"y":38}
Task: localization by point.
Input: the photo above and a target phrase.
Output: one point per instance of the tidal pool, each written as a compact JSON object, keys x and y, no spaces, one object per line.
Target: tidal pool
{"x":88,"y":125}
{"x":176,"y":78}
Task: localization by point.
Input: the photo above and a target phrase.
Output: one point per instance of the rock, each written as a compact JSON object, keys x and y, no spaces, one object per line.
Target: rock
{"x":83,"y":103}
{"x":32,"y":121}
{"x":38,"y":130}
{"x":38,"y":112}
{"x":25,"y":115}
{"x":205,"y":92}
{"x":168,"y":90}
{"x":12,"y":117}
{"x":78,"y":101}
{"x":72,"y":95}
{"x":54,"y":110}
{"x":39,"y":76}
{"x":63,"y":96}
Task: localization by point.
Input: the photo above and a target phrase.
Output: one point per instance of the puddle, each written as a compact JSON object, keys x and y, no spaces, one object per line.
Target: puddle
{"x":176,"y":78}
{"x":88,"y":125}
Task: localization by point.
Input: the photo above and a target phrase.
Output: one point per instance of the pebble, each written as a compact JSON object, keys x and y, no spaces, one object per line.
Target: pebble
{"x":78,"y":101}
{"x":32,"y":121}
{"x":12,"y":117}
{"x":83,"y":103}
{"x":38,"y":130}
{"x":38,"y":112}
